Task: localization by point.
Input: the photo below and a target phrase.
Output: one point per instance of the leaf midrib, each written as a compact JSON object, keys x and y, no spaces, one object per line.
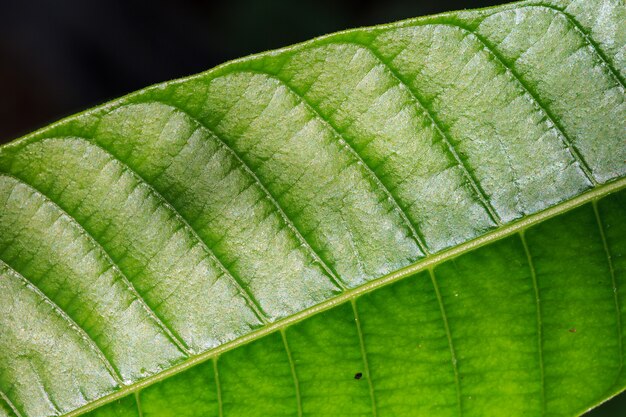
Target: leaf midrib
{"x":426,"y":263}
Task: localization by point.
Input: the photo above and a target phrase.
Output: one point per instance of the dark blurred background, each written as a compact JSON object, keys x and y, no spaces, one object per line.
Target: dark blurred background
{"x":61,"y":57}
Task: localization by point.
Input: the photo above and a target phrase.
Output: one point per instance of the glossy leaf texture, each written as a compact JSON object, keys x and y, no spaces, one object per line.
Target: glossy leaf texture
{"x":419,"y":219}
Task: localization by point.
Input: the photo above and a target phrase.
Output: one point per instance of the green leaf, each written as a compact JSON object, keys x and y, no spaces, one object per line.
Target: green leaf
{"x":419,"y":219}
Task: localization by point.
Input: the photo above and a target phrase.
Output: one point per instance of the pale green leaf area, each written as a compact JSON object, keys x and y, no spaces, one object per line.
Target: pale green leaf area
{"x":419,"y":219}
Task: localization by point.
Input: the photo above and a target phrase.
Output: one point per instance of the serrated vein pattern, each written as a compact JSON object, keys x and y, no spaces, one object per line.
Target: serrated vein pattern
{"x":72,"y":324}
{"x":99,"y":247}
{"x":157,"y":229}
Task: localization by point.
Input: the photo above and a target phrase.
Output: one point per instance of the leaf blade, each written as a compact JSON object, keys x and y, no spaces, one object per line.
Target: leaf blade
{"x":255,"y":137}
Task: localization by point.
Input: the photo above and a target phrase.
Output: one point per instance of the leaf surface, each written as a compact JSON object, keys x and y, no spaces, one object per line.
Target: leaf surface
{"x":418,"y":219}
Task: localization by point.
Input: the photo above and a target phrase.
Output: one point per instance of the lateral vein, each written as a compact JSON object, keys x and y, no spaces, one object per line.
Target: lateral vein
{"x":446,"y":325}
{"x":368,"y":375}
{"x":533,"y":274}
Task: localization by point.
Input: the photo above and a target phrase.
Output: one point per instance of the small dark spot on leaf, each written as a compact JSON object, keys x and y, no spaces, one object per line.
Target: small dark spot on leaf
{"x":358,"y":375}
{"x":572,"y":330}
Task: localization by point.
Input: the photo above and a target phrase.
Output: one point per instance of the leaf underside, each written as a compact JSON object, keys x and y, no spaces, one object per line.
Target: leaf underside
{"x":418,"y":219}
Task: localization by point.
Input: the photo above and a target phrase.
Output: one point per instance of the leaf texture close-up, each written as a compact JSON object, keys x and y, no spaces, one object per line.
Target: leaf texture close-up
{"x":424,"y":218}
